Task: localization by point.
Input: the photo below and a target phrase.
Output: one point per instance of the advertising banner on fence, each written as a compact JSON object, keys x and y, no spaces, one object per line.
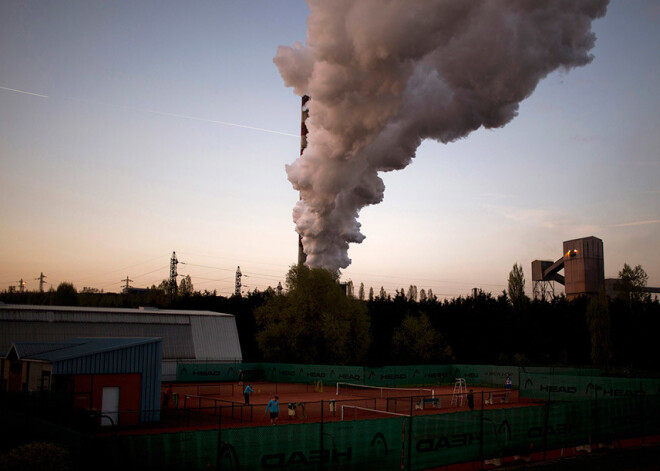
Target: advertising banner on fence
{"x":414,"y":443}
{"x":563,"y":387}
{"x":293,"y":373}
{"x":201,"y":372}
{"x":359,"y":445}
{"x":407,"y":375}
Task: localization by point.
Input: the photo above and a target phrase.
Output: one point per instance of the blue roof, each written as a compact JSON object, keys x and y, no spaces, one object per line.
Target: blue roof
{"x":75,"y":348}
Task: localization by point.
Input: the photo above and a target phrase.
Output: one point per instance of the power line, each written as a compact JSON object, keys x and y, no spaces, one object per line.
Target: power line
{"x":123,"y":269}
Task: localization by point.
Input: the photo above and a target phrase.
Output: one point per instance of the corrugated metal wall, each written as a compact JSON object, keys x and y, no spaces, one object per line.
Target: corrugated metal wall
{"x":177,"y":344}
{"x":216,"y":337}
{"x":187,"y":335}
{"x":144,"y":358}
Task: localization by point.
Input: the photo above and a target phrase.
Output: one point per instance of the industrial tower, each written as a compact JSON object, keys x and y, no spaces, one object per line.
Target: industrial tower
{"x":42,"y":280}
{"x":173,"y":286}
{"x":302,"y":257}
{"x":583,"y":265}
{"x":237,"y":285}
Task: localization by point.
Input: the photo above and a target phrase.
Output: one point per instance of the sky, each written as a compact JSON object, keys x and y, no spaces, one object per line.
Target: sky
{"x":130,"y":130}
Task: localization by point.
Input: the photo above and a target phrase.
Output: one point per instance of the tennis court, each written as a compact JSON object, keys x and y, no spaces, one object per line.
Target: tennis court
{"x":205,"y":405}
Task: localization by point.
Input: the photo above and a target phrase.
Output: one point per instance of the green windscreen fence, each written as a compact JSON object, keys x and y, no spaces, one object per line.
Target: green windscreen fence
{"x":411,"y":443}
{"x":408,"y":375}
{"x":404,"y":375}
{"x":375,"y":444}
{"x":569,"y":387}
{"x":556,"y":370}
{"x":200,"y":372}
{"x":295,"y":373}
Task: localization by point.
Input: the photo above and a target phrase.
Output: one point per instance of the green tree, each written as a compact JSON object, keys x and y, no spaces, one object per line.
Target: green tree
{"x":186,"y":286}
{"x":361,"y":292}
{"x":416,"y":341}
{"x":600,"y":329}
{"x":314,"y":323}
{"x":349,"y":288}
{"x":66,"y":295}
{"x":632,"y":282}
{"x":164,"y":286}
{"x":371,"y":293}
{"x":412,"y":293}
{"x":517,"y":285}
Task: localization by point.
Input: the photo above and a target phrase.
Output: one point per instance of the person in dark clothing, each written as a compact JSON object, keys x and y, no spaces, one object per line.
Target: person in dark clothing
{"x":470,"y":400}
{"x":274,"y":408}
{"x":246,"y":393}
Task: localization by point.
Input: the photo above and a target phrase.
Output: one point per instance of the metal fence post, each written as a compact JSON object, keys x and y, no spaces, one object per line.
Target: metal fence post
{"x":641,"y":416}
{"x":220,"y":439}
{"x":595,"y":433}
{"x":545,"y":426}
{"x":410,"y":430}
{"x":481,"y":432}
{"x":321,"y":438}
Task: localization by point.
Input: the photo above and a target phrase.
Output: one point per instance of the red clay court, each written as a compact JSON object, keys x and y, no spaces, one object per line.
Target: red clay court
{"x":199,"y":405}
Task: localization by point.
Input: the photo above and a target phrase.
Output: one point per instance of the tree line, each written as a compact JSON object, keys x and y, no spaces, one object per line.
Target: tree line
{"x":318,"y":320}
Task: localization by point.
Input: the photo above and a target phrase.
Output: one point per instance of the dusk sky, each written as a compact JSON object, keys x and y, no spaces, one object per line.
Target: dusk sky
{"x":129,"y":130}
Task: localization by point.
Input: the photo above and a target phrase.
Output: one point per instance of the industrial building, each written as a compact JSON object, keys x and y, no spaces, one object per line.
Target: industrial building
{"x":103,"y":375}
{"x":190,"y":336}
{"x":584,"y":271}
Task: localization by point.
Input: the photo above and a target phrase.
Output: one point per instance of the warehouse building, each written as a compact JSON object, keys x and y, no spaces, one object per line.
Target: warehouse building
{"x":188,"y":336}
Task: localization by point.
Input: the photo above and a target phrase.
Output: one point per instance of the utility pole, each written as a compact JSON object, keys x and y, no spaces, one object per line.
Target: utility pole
{"x":127,"y":286}
{"x":41,"y":279}
{"x":237,"y":287}
{"x":173,"y":287}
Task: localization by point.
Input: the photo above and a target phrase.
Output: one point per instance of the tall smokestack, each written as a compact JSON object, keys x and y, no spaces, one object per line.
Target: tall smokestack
{"x":303,"y":144}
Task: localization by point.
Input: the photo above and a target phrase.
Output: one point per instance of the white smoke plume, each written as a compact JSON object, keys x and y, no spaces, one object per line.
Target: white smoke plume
{"x":385,"y":74}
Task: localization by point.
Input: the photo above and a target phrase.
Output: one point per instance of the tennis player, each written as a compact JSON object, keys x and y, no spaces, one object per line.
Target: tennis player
{"x":247,"y":392}
{"x":274,"y":408}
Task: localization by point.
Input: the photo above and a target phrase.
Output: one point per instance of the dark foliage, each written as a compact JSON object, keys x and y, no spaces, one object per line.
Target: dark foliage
{"x":478,"y":329}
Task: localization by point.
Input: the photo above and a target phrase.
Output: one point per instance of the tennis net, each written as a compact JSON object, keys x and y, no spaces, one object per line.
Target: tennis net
{"x":362,"y":390}
{"x":357,"y":412}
